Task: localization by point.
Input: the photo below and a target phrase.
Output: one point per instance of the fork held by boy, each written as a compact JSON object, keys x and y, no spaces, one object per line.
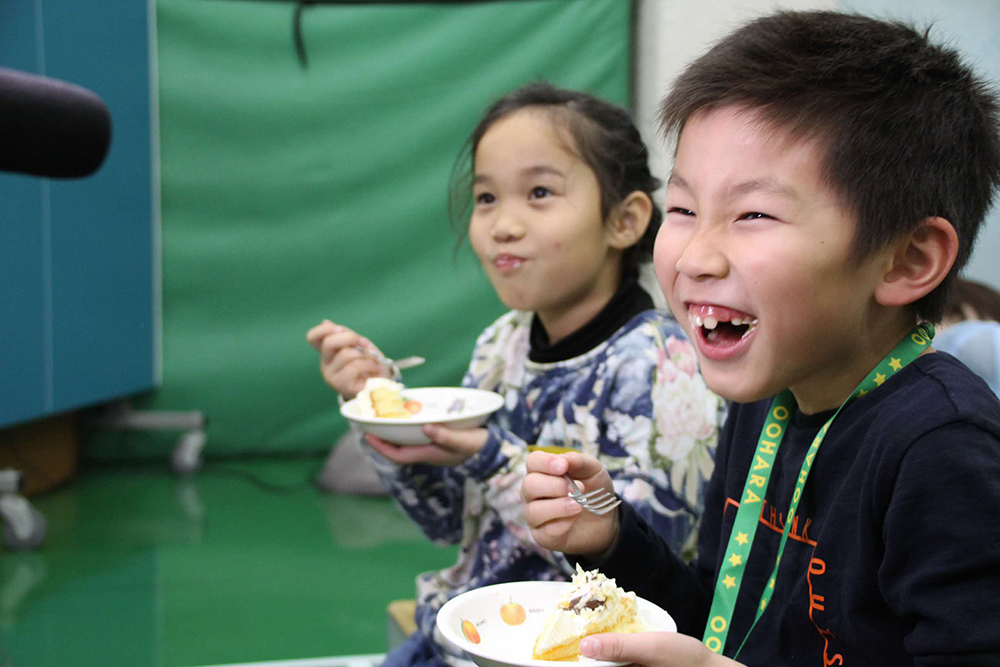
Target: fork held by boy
{"x":598,"y":501}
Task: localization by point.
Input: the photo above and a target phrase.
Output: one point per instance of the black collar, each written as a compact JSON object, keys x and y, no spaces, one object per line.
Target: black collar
{"x":627,"y":302}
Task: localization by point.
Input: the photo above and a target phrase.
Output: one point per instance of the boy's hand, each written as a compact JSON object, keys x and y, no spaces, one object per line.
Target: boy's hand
{"x":556,"y":521}
{"x":449,"y":447}
{"x":653,"y":649}
{"x":343,"y":366}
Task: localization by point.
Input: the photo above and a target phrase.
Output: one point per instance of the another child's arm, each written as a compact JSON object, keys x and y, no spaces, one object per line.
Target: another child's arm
{"x":343,"y":366}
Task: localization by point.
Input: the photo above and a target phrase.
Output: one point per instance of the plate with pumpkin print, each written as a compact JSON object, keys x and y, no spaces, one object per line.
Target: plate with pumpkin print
{"x":496,"y":626}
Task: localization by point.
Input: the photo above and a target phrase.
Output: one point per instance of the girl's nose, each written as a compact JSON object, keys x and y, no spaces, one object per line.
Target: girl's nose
{"x":506,"y":227}
{"x":703,"y":257}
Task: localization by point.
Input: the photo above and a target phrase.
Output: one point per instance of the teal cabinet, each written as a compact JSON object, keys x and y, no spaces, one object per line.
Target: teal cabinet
{"x":79,"y":281}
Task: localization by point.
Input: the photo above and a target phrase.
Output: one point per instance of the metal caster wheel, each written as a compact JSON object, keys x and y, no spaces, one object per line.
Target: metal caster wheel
{"x":24,"y":527}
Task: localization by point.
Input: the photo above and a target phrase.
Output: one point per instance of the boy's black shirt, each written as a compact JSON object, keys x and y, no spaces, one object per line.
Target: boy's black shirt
{"x":894,"y":558}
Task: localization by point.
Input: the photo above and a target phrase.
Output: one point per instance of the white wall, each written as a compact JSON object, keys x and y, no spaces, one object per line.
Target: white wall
{"x":671,"y":33}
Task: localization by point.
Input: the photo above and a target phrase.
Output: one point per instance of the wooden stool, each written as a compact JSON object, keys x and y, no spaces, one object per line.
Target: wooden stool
{"x":400,"y":623}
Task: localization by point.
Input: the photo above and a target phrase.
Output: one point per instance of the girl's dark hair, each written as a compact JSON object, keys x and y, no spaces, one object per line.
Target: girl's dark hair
{"x":981,"y":298}
{"x":909,"y":132}
{"x":605,"y":138}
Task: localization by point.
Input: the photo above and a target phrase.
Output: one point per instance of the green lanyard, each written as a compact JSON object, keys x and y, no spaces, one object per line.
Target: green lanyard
{"x":727,"y":587}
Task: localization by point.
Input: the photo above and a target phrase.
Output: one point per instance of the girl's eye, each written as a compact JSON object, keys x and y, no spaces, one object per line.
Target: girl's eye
{"x":754,"y":215}
{"x":540,"y":192}
{"x":681,"y":211}
{"x":485,"y":198}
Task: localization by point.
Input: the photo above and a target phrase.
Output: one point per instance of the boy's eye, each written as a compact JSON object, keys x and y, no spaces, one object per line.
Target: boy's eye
{"x":540,"y":192}
{"x":485,"y":198}
{"x":681,"y":211}
{"x":754,"y":215}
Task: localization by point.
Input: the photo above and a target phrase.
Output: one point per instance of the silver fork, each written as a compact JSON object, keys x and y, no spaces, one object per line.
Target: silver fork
{"x":598,"y":501}
{"x":395,"y":365}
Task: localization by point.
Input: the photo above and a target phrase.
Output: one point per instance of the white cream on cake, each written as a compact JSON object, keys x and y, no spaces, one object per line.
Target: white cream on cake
{"x":593,"y":604}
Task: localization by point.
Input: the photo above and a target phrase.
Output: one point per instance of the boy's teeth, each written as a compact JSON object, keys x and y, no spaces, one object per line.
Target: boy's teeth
{"x":711,"y":323}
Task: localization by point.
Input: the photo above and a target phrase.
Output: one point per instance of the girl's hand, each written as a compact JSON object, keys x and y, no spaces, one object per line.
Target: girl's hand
{"x":653,"y":649}
{"x":343,"y":366}
{"x":556,"y":521}
{"x":449,"y":447}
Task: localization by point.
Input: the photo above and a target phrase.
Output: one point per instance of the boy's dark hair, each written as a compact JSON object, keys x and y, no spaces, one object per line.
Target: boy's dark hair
{"x":908,"y":130}
{"x":604,"y":137}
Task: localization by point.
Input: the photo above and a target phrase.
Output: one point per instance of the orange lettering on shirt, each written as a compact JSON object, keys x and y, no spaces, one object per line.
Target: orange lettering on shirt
{"x":769,"y":517}
{"x":837,"y":659}
{"x":817,"y":602}
{"x":794,"y":532}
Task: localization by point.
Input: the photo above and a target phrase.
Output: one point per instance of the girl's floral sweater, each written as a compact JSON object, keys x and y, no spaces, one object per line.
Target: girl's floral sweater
{"x":635,"y":401}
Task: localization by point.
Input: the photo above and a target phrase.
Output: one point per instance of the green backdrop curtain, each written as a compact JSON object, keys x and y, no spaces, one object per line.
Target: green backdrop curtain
{"x":292,"y":194}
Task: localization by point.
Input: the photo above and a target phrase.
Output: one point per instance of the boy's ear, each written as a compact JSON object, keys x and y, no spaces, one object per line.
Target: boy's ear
{"x":920,"y":262}
{"x":629,"y":220}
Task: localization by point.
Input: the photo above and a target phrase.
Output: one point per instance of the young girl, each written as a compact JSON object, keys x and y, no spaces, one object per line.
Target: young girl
{"x":562,"y":214}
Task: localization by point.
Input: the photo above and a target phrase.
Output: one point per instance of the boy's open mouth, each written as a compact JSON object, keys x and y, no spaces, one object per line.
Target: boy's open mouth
{"x":718,"y":325}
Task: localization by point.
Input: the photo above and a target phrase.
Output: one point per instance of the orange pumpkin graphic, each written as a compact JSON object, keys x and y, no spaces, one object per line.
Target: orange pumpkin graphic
{"x":470,"y":632}
{"x":512,"y":613}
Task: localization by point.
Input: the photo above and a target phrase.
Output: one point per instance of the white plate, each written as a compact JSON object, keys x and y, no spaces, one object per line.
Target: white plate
{"x":504,"y":645}
{"x":455,"y":407}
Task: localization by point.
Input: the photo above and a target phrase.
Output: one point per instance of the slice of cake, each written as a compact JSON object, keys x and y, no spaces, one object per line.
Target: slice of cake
{"x":592,"y":605}
{"x":388,"y":403}
{"x":384,"y":398}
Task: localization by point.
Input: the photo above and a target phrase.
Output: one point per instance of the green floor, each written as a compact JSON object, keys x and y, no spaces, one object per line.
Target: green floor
{"x":244,"y":562}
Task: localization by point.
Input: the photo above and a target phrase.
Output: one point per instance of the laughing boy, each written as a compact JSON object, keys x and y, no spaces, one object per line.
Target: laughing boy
{"x":831,"y":173}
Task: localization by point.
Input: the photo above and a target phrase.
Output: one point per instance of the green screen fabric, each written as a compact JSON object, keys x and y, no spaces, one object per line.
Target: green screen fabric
{"x":292,"y":194}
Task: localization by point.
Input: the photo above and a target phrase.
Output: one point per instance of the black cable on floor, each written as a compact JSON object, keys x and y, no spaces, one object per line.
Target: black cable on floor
{"x":225,"y":467}
{"x":270,"y":487}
